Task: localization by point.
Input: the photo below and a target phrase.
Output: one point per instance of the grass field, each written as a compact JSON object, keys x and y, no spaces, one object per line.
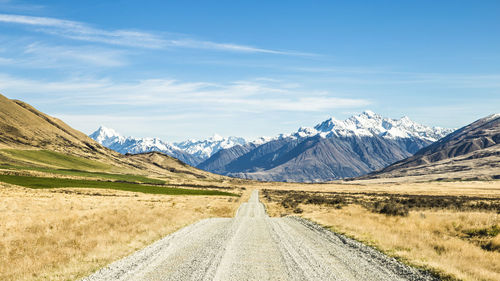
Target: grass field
{"x":54,"y":159}
{"x":455,"y":233}
{"x":67,"y":233}
{"x":86,"y":174}
{"x":42,"y":182}
{"x":62,"y":217}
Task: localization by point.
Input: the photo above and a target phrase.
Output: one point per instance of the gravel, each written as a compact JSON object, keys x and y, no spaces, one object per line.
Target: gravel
{"x":253,"y":246}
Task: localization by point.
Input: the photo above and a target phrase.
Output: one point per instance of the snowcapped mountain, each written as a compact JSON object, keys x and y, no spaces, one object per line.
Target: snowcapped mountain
{"x":112,"y":140}
{"x":369,"y":123}
{"x":331,"y":150}
{"x":203,"y":149}
{"x":191,"y":152}
{"x":106,"y":136}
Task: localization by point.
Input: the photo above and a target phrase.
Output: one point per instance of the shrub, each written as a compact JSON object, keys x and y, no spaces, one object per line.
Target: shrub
{"x":298,"y":210}
{"x":493,"y":244}
{"x":393,"y":209}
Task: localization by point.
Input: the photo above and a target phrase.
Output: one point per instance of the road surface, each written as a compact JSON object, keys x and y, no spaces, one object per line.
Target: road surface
{"x":253,"y":246}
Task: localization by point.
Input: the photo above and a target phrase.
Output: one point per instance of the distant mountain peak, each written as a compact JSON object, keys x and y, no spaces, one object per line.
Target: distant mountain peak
{"x":203,"y":149}
{"x":190,"y":151}
{"x":105,"y":131}
{"x":104,"y":135}
{"x":369,"y":113}
{"x":369,"y":123}
{"x":216,"y":137}
{"x":113,"y":140}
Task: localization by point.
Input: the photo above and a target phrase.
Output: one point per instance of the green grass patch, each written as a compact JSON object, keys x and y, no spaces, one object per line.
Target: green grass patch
{"x":95,"y":175}
{"x":42,"y":182}
{"x":51,"y":158}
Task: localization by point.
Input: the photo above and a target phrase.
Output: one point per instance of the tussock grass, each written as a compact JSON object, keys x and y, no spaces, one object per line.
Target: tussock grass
{"x":455,"y":236}
{"x":384,"y":203}
{"x":67,"y":233}
{"x":41,"y":182}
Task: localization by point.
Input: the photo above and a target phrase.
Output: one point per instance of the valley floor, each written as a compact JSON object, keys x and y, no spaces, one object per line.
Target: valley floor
{"x":253,"y":246}
{"x":67,"y":233}
{"x":451,"y":228}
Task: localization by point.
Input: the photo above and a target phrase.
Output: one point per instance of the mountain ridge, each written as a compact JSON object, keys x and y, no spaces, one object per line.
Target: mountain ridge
{"x":476,"y":144}
{"x":333,"y":149}
{"x":191,"y":152}
{"x":343,"y":149}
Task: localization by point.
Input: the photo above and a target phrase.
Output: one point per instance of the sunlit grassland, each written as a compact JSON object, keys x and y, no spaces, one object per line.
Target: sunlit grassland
{"x":446,"y":231}
{"x":43,"y":182}
{"x":67,"y":233}
{"x":53,"y":159}
{"x":86,"y":174}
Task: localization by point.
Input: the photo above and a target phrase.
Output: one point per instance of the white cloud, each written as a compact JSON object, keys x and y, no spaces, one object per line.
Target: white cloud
{"x":239,"y":96}
{"x":130,"y":38}
{"x":6,"y":60}
{"x":16,"y":6}
{"x":47,"y":56}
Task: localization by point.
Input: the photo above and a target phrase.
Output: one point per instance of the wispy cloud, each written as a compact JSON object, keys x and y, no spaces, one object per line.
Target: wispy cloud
{"x":238,"y":96}
{"x":43,"y":55}
{"x":130,"y":38}
{"x":17,"y":6}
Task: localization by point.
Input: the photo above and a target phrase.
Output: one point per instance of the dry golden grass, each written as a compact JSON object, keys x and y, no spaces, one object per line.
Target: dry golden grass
{"x":65,"y":234}
{"x":456,"y":188}
{"x":430,"y":238}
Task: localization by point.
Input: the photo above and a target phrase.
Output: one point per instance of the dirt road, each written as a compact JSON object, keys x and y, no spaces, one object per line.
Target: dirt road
{"x":253,"y":246}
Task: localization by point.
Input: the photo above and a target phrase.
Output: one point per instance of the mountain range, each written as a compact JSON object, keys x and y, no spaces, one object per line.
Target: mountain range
{"x":333,"y":149}
{"x":191,"y":152}
{"x":471,"y":152}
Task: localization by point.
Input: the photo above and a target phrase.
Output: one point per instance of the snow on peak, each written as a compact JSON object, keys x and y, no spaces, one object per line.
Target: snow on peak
{"x":369,"y":113}
{"x":366,"y":124}
{"x":493,"y":116}
{"x":105,"y":132}
{"x":105,"y":135}
{"x":305,"y":132}
{"x":369,"y":123}
{"x":207,"y":147}
{"x":111,"y":139}
{"x":261,"y":140}
{"x":216,"y":137}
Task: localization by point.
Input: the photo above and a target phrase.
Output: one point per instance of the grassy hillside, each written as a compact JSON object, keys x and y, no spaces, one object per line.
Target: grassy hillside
{"x":50,"y":169}
{"x":42,"y":182}
{"x":31,"y":138}
{"x":52,"y":159}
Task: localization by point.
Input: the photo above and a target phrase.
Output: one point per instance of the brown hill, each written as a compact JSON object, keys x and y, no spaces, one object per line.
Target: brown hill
{"x":472,"y":152}
{"x":22,"y":127}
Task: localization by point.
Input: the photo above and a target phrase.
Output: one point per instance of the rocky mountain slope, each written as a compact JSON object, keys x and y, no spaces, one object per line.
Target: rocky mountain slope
{"x":331,"y":150}
{"x":470,"y":152}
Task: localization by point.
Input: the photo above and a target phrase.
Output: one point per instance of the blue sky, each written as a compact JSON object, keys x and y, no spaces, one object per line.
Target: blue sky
{"x":189,"y":69}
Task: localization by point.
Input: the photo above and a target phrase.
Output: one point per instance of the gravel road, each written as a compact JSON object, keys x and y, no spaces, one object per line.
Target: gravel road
{"x":253,"y":246}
